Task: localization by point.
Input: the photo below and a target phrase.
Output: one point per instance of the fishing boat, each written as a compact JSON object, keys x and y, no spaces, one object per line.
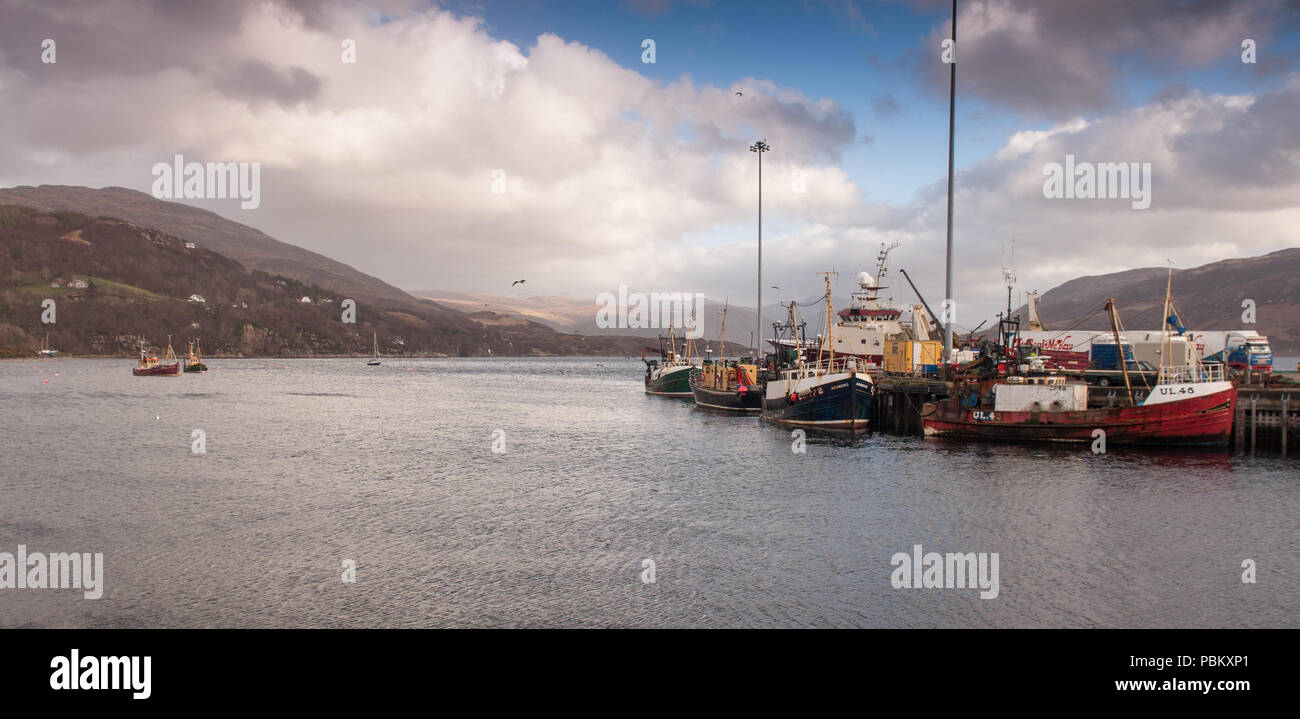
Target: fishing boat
{"x":374,"y":361}
{"x":45,"y":347}
{"x":866,"y":324}
{"x":829,"y":392}
{"x":168,"y":365}
{"x":727,"y":386}
{"x":194,"y":362}
{"x":1010,"y":400}
{"x":669,"y":376}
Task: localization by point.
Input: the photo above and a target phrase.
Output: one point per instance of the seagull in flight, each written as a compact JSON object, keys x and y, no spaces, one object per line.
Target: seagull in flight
{"x":739,"y":94}
{"x":516,"y":282}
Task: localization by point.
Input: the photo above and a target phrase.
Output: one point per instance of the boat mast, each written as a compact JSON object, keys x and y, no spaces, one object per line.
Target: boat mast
{"x":1119,"y":348}
{"x":830,"y":326}
{"x":722,"y":343}
{"x":1165,"y":341}
{"x":952,"y":104}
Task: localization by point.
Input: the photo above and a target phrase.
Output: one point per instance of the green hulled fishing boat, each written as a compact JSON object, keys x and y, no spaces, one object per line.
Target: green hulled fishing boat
{"x":669,"y":376}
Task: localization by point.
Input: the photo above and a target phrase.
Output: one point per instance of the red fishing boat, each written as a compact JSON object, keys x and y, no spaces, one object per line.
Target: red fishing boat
{"x":155,"y":367}
{"x":1188,"y":408}
{"x":1015,"y":400}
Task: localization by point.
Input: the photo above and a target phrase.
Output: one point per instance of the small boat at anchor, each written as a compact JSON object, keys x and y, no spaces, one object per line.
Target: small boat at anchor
{"x":45,"y":347}
{"x":374,"y":361}
{"x":194,"y":362}
{"x":168,"y":365}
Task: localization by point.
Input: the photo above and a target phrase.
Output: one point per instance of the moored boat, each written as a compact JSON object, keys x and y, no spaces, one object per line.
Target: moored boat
{"x":1187,"y":408}
{"x":727,"y":386}
{"x":669,"y":376}
{"x":868,"y":322}
{"x":374,"y":361}
{"x":1189,"y":405}
{"x":155,"y":367}
{"x":194,"y":362}
{"x":829,"y":393}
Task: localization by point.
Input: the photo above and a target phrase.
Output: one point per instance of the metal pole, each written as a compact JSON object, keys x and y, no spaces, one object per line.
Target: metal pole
{"x":1254,"y":421}
{"x":952,"y":104}
{"x":1286,"y":402}
{"x":760,"y":147}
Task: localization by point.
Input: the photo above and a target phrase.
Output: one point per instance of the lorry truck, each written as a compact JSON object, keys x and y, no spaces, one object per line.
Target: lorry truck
{"x":1240,"y":349}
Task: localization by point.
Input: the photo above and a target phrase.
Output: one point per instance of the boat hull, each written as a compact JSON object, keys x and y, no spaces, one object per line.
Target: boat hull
{"x":671,"y":381}
{"x":1204,"y":420}
{"x":841,"y":401}
{"x":157,"y":370}
{"x":748,"y":402}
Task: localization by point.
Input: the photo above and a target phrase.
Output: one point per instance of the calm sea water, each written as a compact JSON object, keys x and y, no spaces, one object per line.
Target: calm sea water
{"x":312,"y":462}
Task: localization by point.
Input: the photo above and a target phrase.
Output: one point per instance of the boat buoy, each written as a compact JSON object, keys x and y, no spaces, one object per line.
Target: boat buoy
{"x":794,"y":396}
{"x":47,"y":381}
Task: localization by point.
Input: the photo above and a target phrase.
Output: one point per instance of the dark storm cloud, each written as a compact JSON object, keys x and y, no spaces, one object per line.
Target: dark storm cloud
{"x":1259,"y":147}
{"x":255,"y":80}
{"x":1056,"y":59}
{"x":124,"y":38}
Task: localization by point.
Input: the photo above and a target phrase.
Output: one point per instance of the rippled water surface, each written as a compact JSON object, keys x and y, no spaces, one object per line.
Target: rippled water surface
{"x":311,"y":462}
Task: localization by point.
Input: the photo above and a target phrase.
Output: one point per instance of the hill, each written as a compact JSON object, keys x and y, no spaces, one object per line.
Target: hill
{"x":248,"y":246}
{"x":114,"y":280}
{"x":569,"y":314}
{"x":1210,"y":297}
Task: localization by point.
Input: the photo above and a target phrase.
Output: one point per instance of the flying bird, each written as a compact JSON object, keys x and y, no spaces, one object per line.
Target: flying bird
{"x":739,"y":94}
{"x":516,"y":282}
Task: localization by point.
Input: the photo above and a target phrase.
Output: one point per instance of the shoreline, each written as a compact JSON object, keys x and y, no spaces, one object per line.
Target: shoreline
{"x":340,"y":357}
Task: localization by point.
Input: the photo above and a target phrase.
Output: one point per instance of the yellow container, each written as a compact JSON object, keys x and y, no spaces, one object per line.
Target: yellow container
{"x":909,"y":356}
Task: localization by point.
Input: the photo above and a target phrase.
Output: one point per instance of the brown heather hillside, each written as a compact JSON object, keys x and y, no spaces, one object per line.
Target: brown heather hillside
{"x":1209,"y":297}
{"x":246,"y":245}
{"x":139,"y":281}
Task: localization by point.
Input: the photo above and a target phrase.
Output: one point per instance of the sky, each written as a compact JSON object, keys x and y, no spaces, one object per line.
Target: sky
{"x":472,"y":144}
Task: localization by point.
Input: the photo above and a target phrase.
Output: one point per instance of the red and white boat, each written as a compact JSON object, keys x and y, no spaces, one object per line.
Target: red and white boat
{"x":155,"y":367}
{"x":1189,"y":406}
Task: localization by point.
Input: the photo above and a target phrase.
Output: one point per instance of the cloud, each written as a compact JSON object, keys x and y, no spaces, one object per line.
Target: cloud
{"x":388,"y":164}
{"x":884,"y":105}
{"x":613,"y":178}
{"x":1059,"y":59}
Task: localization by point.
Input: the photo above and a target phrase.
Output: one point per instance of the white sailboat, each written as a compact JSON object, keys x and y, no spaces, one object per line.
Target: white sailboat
{"x":374,"y":361}
{"x":45,"y":347}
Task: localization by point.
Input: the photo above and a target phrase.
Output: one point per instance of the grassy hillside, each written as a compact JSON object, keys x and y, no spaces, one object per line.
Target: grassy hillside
{"x":139,"y":282}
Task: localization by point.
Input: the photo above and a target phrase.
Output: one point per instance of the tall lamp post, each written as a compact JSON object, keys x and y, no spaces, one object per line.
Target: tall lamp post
{"x":760,"y":147}
{"x":949,"y":309}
